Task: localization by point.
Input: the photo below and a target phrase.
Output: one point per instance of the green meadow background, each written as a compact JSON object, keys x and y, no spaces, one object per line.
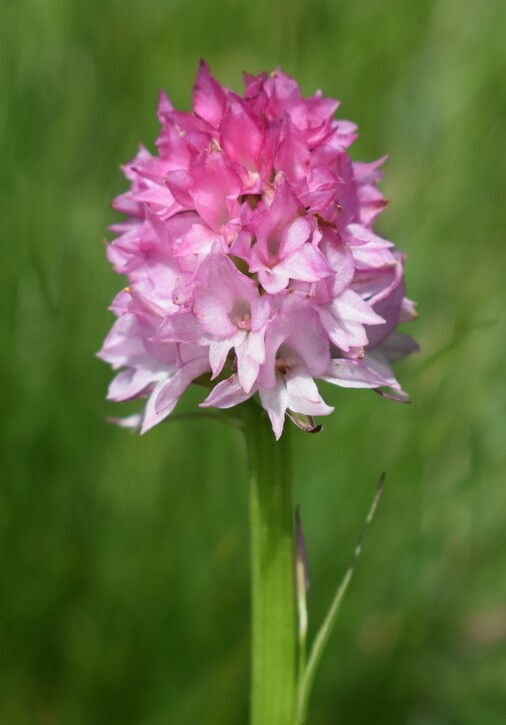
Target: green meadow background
{"x":124,"y":559}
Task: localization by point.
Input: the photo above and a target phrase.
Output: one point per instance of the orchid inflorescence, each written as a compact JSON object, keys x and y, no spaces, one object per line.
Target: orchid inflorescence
{"x":251,"y":261}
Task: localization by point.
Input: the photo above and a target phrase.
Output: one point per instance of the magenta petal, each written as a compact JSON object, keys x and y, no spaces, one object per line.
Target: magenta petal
{"x":345,"y":319}
{"x":398,"y":346}
{"x":372,"y":203}
{"x":226,"y":394}
{"x":218,"y":352}
{"x":353,"y":374}
{"x":369,"y":173}
{"x":250,"y":355}
{"x":273,"y":281}
{"x":303,"y":395}
{"x":171,"y":391}
{"x":292,"y":155}
{"x":295,"y":235}
{"x":123,"y":345}
{"x":358,"y":234}
{"x":165,"y":107}
{"x":198,"y":240}
{"x":213,"y":182}
{"x":209,"y":98}
{"x":340,"y":259}
{"x":178,"y":183}
{"x":131,"y":383}
{"x":306,"y":264}
{"x":352,"y":307}
{"x":173,"y":146}
{"x":181,"y":327}
{"x":151,"y":417}
{"x":275,"y":402}
{"x":247,"y":371}
{"x":376,"y":362}
{"x":241,"y":133}
{"x":408,"y":311}
{"x":309,"y":339}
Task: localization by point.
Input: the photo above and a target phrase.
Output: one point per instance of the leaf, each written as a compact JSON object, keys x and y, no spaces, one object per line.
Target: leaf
{"x":302,"y":588}
{"x":323,"y":634}
{"x":304,"y":422}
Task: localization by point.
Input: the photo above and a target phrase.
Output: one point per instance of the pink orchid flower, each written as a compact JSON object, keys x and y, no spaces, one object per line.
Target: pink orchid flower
{"x":251,"y":261}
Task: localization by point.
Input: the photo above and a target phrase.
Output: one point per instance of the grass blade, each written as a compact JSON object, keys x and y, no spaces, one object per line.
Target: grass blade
{"x":325,"y":630}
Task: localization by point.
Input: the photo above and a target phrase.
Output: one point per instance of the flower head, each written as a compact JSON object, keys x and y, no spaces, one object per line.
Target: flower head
{"x":251,"y":260}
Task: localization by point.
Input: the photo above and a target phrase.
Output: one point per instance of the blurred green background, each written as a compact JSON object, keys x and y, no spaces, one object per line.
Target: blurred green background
{"x":124,"y":559}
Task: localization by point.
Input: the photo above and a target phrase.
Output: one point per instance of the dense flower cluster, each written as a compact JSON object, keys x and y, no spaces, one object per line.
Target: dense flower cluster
{"x":251,"y":260}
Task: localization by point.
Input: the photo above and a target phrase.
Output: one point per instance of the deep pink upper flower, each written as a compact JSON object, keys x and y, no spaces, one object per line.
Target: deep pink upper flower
{"x":250,"y":257}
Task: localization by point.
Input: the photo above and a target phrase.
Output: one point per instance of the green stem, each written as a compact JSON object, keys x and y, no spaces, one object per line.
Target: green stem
{"x":273,"y":588}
